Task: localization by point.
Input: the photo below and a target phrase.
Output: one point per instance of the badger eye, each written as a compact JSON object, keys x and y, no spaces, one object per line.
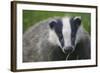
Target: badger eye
{"x":60,"y":36}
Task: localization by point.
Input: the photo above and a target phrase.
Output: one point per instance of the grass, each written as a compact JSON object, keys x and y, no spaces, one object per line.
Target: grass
{"x":31,"y":17}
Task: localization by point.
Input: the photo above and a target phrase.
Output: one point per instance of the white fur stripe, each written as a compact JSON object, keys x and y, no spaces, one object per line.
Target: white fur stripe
{"x":66,"y":31}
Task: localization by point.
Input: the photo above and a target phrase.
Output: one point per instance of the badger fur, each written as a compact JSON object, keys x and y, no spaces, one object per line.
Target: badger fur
{"x":56,"y":39}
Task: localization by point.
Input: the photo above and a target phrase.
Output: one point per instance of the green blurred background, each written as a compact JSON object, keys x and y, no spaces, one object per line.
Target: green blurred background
{"x":30,"y":17}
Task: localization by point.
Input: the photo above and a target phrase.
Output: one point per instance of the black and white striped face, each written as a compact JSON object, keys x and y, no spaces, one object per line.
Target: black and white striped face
{"x":63,"y":32}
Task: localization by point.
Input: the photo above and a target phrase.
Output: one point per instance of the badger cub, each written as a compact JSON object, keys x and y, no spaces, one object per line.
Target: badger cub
{"x":56,"y":39}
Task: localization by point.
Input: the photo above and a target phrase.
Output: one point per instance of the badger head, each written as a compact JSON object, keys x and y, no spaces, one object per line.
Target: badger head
{"x":63,"y":33}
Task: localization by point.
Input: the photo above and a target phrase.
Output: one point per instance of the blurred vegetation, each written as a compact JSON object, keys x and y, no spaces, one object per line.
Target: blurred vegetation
{"x":30,"y":17}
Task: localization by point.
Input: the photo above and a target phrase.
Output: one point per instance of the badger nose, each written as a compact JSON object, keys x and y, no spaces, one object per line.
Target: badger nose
{"x":68,"y":50}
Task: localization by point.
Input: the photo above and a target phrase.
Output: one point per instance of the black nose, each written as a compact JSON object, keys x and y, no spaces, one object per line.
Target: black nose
{"x":68,"y":50}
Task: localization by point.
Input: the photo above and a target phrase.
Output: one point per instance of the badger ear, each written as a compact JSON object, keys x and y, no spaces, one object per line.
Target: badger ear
{"x":51,"y":24}
{"x":77,"y":21}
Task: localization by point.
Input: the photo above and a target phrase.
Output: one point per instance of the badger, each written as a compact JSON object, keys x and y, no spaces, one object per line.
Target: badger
{"x":56,"y":39}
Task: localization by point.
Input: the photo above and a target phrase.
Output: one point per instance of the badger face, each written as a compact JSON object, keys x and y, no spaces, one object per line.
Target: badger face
{"x":63,"y":32}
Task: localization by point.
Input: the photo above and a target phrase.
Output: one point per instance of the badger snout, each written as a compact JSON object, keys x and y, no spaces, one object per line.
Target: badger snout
{"x":68,"y":50}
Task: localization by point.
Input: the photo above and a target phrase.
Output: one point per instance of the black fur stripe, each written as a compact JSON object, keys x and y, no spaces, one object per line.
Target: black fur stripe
{"x":75,"y":23}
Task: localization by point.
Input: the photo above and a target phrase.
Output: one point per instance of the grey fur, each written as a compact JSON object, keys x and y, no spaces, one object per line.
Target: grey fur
{"x":36,"y":46}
